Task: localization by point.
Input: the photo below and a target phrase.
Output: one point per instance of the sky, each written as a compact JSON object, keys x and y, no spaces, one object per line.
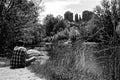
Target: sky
{"x":59,"y":7}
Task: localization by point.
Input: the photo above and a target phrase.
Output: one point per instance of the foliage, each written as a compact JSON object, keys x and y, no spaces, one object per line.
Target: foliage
{"x":60,"y":26}
{"x":54,"y":25}
{"x":33,"y":35}
{"x":50,"y":21}
{"x":118,"y":29}
{"x":81,"y":61}
{"x":94,"y":31}
{"x":68,"y":63}
{"x":108,"y":16}
{"x":16,"y":15}
{"x":66,"y":33}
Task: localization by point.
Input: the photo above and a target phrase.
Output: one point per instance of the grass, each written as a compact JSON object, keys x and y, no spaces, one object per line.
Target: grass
{"x":77,"y":62}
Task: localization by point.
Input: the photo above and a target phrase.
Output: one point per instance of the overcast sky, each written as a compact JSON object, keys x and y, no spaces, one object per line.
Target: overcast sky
{"x":59,"y":7}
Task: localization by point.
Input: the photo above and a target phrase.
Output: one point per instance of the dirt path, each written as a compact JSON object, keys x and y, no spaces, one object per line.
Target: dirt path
{"x":17,"y":74}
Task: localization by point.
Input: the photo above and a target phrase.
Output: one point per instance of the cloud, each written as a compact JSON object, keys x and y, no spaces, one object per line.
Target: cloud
{"x":68,"y":1}
{"x":57,"y":7}
{"x":84,"y":5}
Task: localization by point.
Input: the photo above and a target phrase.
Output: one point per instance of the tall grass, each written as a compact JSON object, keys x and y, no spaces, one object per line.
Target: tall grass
{"x":75,"y":62}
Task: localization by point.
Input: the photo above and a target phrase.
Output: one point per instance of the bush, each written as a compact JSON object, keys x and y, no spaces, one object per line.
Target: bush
{"x":74,"y":62}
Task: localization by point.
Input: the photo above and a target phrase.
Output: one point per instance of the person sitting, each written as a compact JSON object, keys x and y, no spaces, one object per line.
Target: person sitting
{"x":19,"y":58}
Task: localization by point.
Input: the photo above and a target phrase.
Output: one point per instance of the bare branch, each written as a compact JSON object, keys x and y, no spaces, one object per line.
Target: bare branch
{"x":95,"y":33}
{"x":103,"y":50}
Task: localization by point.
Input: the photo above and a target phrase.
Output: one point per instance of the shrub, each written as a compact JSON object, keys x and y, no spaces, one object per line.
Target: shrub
{"x":74,"y":62}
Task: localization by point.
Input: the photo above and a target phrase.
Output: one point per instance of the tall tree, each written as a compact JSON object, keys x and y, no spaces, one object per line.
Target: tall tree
{"x":60,"y":26}
{"x":49,"y":22}
{"x":15,"y":15}
{"x":109,"y":17}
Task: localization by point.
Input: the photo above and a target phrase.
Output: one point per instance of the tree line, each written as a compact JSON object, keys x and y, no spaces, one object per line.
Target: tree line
{"x":19,"y":20}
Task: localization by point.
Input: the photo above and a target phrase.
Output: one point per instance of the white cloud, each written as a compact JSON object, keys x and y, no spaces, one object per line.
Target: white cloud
{"x":57,"y":7}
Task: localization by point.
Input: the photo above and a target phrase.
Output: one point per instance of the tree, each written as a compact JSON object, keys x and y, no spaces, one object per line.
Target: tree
{"x":59,"y":17}
{"x":49,"y":22}
{"x":16,"y":15}
{"x":53,"y":24}
{"x":69,"y":33}
{"x":109,"y":17}
{"x":33,"y":35}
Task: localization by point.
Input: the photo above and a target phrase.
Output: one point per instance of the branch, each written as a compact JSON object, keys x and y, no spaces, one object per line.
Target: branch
{"x":103,"y":40}
{"x":103,"y":50}
{"x":95,"y":33}
{"x":10,"y":5}
{"x":106,"y":34}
